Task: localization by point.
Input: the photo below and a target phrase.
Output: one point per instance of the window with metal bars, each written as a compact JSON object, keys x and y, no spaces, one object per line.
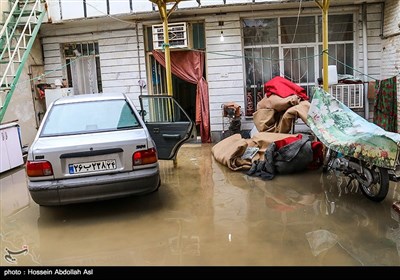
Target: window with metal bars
{"x":291,"y":47}
{"x":83,"y":67}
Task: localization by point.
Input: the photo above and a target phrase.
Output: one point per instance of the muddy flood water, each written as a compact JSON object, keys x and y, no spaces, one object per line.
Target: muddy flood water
{"x":205,"y":215}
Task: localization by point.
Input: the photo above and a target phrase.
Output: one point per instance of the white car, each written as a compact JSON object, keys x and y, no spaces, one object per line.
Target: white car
{"x":97,"y":146}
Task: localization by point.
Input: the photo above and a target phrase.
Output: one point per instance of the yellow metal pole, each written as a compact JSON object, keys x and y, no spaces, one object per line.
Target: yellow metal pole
{"x":162,"y":7}
{"x":167,"y":50}
{"x":324,"y":7}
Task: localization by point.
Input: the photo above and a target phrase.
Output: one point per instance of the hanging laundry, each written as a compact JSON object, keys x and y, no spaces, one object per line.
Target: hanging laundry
{"x":385,"y":104}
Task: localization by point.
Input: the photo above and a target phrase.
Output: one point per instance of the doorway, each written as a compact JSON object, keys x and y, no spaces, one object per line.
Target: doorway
{"x":185,"y":94}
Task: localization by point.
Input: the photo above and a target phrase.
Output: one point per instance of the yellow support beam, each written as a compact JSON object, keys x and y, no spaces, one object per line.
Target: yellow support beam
{"x":324,"y":6}
{"x":164,"y":14}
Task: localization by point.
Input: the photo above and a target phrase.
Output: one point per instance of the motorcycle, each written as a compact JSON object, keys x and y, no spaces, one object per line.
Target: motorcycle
{"x":372,"y":180}
{"x":355,"y":147}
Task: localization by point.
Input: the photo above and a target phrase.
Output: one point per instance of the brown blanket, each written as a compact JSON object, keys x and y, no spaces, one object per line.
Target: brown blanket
{"x":278,"y":103}
{"x":277,"y":114}
{"x":229,"y":150}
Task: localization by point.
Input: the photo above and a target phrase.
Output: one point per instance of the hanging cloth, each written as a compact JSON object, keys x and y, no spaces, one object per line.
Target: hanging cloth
{"x":189,"y":66}
{"x":385,"y":104}
{"x":84,"y":75}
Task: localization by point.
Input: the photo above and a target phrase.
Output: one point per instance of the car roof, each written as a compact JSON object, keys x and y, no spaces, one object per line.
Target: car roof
{"x":89,"y":97}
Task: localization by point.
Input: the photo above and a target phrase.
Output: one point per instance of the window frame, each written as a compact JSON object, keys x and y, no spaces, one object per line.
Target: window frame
{"x":68,"y":58}
{"x":160,"y":87}
{"x":317,"y":45}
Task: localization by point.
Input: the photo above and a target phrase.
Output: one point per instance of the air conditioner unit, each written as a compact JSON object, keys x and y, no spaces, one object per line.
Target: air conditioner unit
{"x":351,"y":95}
{"x":177,"y":34}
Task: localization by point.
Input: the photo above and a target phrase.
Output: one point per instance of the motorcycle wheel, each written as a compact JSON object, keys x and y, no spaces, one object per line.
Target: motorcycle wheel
{"x":379,"y":188}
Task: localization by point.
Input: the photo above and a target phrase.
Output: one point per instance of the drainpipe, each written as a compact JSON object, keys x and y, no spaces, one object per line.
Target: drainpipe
{"x":365,"y":59}
{"x":32,"y":84}
{"x":138,"y":55}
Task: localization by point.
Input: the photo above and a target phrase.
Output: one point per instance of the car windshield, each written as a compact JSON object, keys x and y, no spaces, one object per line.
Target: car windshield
{"x":89,"y":117}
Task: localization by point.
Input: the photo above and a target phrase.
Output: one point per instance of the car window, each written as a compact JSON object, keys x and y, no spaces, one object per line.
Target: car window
{"x":89,"y":117}
{"x":161,"y":109}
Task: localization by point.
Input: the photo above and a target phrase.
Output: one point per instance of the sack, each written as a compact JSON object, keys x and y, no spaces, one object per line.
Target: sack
{"x":292,"y":157}
{"x":285,"y":156}
{"x":265,"y":120}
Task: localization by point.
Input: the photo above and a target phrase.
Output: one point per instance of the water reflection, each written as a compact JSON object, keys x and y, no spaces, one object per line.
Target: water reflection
{"x":163,"y":228}
{"x":14,"y":194}
{"x":116,"y":232}
{"x":393,"y":232}
{"x":206,"y":214}
{"x":361,"y":224}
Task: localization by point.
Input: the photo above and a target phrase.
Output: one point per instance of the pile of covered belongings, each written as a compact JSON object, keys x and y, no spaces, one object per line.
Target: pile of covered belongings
{"x":267,"y":153}
{"x":282,"y":104}
{"x":273,"y":150}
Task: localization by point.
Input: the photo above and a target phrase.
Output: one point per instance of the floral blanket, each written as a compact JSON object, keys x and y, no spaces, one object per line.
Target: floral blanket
{"x":344,"y":131}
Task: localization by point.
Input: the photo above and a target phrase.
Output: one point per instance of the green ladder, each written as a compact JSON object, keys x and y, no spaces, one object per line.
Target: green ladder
{"x":17,"y":35}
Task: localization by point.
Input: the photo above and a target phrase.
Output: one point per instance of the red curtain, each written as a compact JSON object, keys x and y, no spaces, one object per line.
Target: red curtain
{"x":189,"y":66}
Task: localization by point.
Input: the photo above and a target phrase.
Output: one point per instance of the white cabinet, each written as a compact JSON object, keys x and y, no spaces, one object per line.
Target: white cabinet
{"x":10,"y":147}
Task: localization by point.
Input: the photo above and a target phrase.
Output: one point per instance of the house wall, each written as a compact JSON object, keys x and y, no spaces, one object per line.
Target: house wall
{"x":21,"y":107}
{"x":122,"y":58}
{"x":67,"y":9}
{"x":390,"y":51}
{"x":225,"y":68}
{"x":4,"y":6}
{"x":225,"y":62}
{"x":374,"y":25}
{"x":374,"y":47}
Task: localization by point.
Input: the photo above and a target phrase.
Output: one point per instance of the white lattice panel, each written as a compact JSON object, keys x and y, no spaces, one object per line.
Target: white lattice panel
{"x":352,"y":95}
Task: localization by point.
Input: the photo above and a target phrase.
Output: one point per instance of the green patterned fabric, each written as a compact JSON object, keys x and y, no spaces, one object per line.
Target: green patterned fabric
{"x":385,"y":105}
{"x":344,"y":131}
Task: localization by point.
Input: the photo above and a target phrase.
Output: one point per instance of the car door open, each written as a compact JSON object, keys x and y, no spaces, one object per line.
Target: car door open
{"x":168,"y":124}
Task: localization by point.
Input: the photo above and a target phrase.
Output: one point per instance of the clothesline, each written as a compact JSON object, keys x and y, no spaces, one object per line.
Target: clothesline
{"x":395,"y":75}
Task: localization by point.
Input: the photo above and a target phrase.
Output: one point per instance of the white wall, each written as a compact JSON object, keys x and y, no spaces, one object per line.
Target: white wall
{"x":121,"y":69}
{"x":118,"y":58}
{"x":4,"y":6}
{"x":140,"y":6}
{"x":390,"y":52}
{"x":224,"y":65}
{"x":96,"y":8}
{"x":74,"y":9}
{"x":383,"y":44}
{"x":224,"y":60}
{"x":391,"y":47}
{"x":68,"y":9}
{"x":374,"y":48}
{"x":374,"y":42}
{"x":21,"y":105}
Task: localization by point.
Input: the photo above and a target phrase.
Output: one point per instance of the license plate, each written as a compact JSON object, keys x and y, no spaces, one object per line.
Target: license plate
{"x":92,"y":166}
